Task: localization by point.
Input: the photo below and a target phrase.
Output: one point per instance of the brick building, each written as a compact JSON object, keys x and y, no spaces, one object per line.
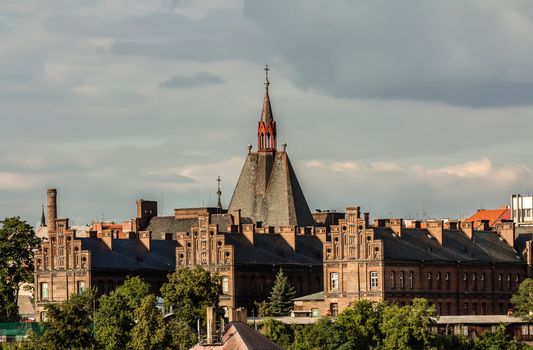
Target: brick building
{"x":66,"y":264}
{"x":460,"y":270}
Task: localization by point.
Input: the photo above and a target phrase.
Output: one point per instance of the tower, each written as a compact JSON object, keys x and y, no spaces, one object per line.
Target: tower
{"x":268,"y":192}
{"x":52,"y":209}
{"x":42,"y":222}
{"x":219,"y":193}
{"x":266,"y":128}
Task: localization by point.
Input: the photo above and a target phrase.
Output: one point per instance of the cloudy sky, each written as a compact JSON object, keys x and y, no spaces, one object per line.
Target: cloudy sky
{"x":413,"y":109}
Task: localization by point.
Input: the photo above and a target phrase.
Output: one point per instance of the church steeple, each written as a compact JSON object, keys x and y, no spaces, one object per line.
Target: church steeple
{"x":266,"y":129}
{"x":42,"y":223}
{"x":219,"y":193}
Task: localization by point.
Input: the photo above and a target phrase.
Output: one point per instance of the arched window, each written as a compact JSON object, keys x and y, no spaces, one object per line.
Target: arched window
{"x":401,"y":280}
{"x":411,"y":280}
{"x":392,"y":280}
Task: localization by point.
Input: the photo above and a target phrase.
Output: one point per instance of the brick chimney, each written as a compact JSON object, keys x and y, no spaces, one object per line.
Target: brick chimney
{"x":366,"y":215}
{"x":468,"y":229}
{"x":145,"y":237}
{"x":238,"y":315}
{"x":483,"y":225}
{"x":248,"y":231}
{"x":211,"y":325}
{"x":52,"y":209}
{"x":435,"y":227}
{"x":505,"y":229}
{"x":288,"y":233}
{"x":321,"y":234}
{"x":396,"y":226}
{"x":237,"y":217}
{"x":107,"y":238}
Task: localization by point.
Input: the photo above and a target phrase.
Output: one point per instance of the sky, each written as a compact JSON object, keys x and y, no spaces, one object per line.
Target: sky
{"x":408,"y":109}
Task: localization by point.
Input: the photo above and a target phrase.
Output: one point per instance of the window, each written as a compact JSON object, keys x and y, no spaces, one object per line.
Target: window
{"x":509,"y":281}
{"x":482,"y":280}
{"x":392,"y":280}
{"x":500,"y":282}
{"x":334,"y":280}
{"x":334,"y":309}
{"x":474,"y":281}
{"x":447,"y":279}
{"x":315,"y":312}
{"x":438,"y":310}
{"x":411,"y":282}
{"x":44,"y":290}
{"x":465,"y":309}
{"x":448,"y":308}
{"x":225,"y":285}
{"x":81,"y":286}
{"x":465,"y":280}
{"x":373,"y":280}
{"x":483,"y":309}
{"x":401,"y":280}
{"x":430,"y":280}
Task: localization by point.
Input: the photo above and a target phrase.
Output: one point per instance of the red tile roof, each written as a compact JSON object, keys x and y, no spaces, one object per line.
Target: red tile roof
{"x":493,"y":215}
{"x":239,"y":336}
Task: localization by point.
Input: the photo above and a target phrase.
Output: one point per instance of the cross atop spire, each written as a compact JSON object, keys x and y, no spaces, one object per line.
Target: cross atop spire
{"x":266,"y":74}
{"x":266,"y":114}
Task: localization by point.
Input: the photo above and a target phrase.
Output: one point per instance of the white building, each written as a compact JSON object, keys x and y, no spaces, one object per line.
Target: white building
{"x":522,"y":209}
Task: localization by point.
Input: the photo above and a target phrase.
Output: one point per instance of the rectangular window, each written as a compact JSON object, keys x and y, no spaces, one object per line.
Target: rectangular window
{"x":315,"y":312}
{"x":334,"y":309}
{"x":81,"y":286}
{"x":334,"y":280}
{"x":225,"y":285}
{"x":373,"y":280}
{"x":44,"y":290}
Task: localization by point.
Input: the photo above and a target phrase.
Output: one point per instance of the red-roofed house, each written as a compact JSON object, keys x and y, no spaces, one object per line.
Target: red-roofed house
{"x":492,"y":216}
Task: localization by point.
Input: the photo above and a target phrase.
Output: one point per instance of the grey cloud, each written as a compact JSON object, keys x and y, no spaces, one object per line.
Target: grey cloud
{"x":461,"y":53}
{"x":197,"y":80}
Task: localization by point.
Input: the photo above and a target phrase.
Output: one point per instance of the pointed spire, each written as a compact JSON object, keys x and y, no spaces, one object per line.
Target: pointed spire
{"x":266,"y":114}
{"x":219,"y":193}
{"x":42,"y":223}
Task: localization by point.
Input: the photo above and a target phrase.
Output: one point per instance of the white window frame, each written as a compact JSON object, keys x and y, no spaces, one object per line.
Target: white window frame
{"x":374,"y":280}
{"x":334,"y":280}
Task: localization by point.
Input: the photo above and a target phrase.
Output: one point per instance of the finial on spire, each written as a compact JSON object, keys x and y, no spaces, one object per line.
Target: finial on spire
{"x":266,"y":74}
{"x":219,"y":193}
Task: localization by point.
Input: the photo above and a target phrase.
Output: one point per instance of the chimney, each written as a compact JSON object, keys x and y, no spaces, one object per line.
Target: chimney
{"x":107,"y":238}
{"x":483,"y":225}
{"x":529,"y":258}
{"x":288,"y":233}
{"x":237,"y":217}
{"x":435,"y":228}
{"x":505,"y":229}
{"x":468,"y":229}
{"x":320,"y":233}
{"x":367,"y":218}
{"x":248,"y":231}
{"x":238,"y":315}
{"x":211,"y":325}
{"x":396,"y":226}
{"x":145,"y":237}
{"x":416,"y":224}
{"x":52,"y":209}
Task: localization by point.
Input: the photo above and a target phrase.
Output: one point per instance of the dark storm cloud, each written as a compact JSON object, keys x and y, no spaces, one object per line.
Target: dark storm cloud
{"x":462,"y":53}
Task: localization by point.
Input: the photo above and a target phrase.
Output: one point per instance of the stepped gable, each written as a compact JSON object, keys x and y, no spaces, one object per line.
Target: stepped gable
{"x":268,"y":189}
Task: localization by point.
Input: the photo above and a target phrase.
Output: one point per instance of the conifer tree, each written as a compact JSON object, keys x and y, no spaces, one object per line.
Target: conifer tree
{"x":280,"y":300}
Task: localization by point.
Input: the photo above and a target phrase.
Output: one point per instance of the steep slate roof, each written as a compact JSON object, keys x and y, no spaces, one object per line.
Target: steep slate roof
{"x":268,"y":191}
{"x":418,"y":244}
{"x":160,"y":225}
{"x":273,"y":249}
{"x":493,"y":215}
{"x":130,"y":254}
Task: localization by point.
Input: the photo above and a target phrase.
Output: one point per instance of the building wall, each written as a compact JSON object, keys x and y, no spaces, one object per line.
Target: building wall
{"x":522,"y":209}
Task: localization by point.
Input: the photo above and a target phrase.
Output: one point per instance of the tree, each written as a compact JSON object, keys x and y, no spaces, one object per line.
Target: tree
{"x":68,"y":324}
{"x":180,"y":335}
{"x":190,"y":292}
{"x":523,"y":300}
{"x":115,"y":317}
{"x":17,"y":242}
{"x":359,"y":325}
{"x":408,"y":327}
{"x":498,"y":340}
{"x":277,"y":331}
{"x":280,"y":300}
{"x":150,"y":331}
